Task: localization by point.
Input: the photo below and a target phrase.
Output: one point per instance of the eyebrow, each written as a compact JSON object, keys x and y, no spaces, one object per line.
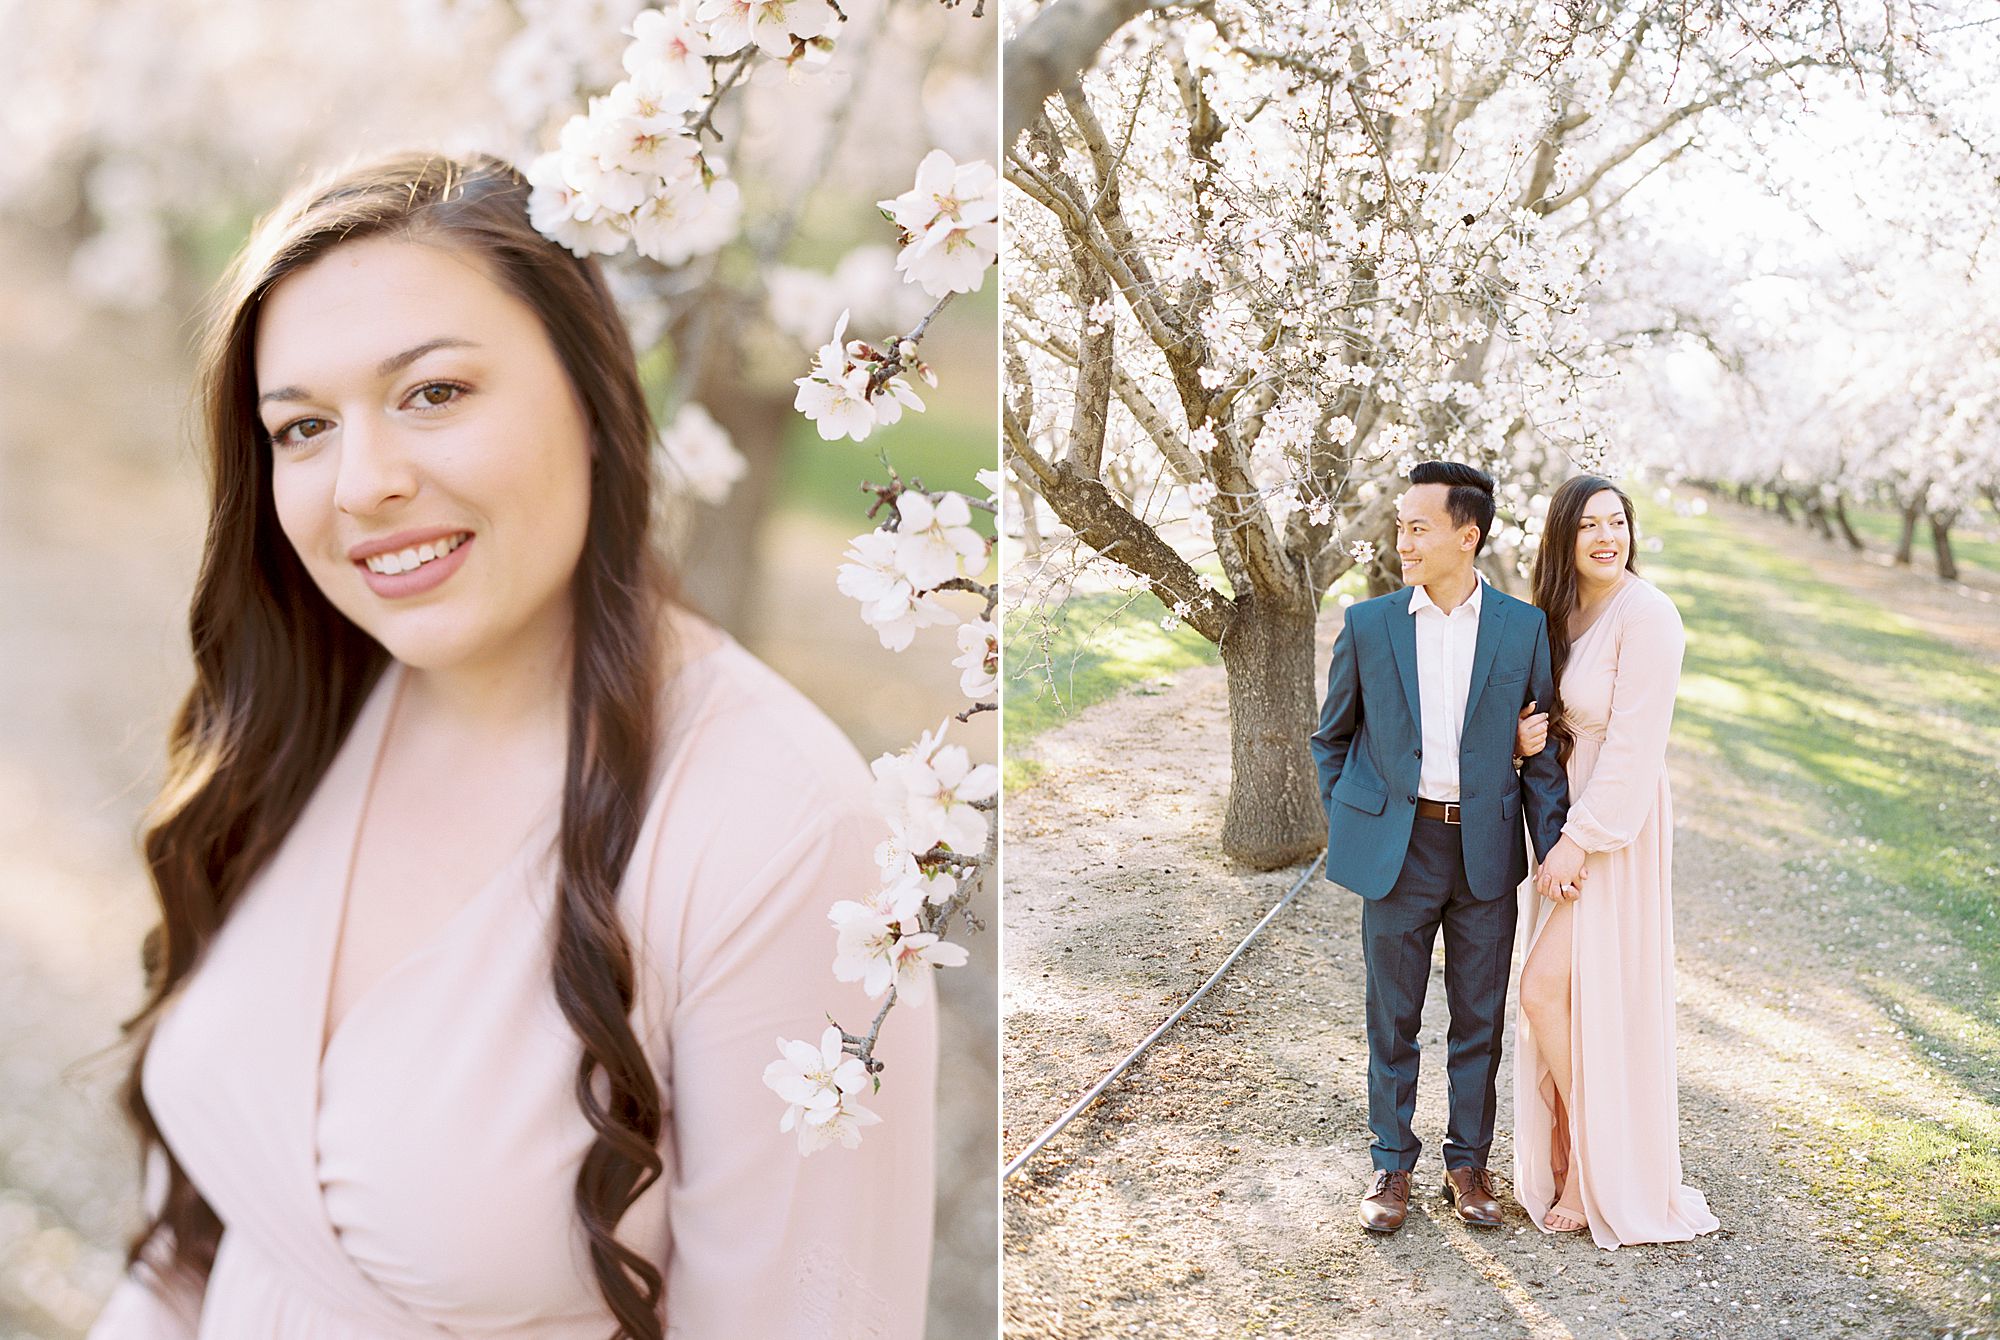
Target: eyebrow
{"x":388,"y":367}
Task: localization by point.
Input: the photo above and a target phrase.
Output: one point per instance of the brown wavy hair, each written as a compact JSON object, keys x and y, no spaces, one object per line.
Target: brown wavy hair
{"x":280,"y":676}
{"x":1555,"y":579}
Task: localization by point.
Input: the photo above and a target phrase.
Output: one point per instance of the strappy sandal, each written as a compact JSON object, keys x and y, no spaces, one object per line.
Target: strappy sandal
{"x":1555,"y":1209}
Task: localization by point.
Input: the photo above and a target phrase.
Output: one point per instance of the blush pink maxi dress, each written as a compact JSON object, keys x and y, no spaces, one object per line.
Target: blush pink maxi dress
{"x":1618,"y":697}
{"x":417,"y":1181}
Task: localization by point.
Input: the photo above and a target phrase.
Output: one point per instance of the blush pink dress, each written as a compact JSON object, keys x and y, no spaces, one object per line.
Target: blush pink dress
{"x":417,"y":1181}
{"x":1618,"y":697}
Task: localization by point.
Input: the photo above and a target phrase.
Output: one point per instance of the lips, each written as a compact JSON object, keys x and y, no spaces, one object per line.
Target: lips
{"x":426,"y":576}
{"x":401,"y":540}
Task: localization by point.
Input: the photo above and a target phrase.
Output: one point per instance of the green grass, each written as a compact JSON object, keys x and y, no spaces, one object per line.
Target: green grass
{"x":1092,"y":648}
{"x":1086,"y":650}
{"x":941,"y":449}
{"x":1889,"y":737}
{"x":1800,"y":686}
{"x":944,"y":447}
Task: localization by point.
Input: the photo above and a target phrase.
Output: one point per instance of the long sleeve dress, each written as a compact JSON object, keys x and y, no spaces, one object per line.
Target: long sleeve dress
{"x":417,"y":1181}
{"x":1618,"y":698}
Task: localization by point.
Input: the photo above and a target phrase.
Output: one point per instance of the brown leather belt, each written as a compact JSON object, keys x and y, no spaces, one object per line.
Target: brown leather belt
{"x":1446,"y":810}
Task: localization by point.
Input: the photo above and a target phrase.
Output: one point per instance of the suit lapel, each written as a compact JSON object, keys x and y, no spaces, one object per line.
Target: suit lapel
{"x":1492,"y":619}
{"x":1403,"y":642}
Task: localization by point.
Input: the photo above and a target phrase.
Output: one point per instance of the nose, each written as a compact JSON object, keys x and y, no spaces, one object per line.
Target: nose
{"x":375,"y":470}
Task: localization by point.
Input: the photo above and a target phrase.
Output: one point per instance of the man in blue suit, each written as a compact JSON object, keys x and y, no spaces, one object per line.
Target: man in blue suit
{"x":1423,"y":798}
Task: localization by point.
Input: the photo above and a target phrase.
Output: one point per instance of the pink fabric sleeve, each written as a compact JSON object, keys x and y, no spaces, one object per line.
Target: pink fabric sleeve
{"x":764,"y":1240}
{"x":149,"y":1303}
{"x":1624,"y":785}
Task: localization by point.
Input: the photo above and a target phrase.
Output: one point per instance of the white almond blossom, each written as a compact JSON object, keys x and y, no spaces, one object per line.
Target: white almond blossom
{"x":978,"y":658}
{"x":687,"y":218}
{"x":630,"y":171}
{"x":836,"y":394}
{"x":951,"y":224}
{"x":879,"y":951}
{"x":701,"y":460}
{"x":890,"y":602}
{"x":819,"y":1082}
{"x":935,"y":541}
{"x":930,"y":791}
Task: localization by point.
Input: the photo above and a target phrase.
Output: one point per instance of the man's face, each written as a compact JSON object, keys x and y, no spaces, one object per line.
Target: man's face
{"x":1431,"y":548}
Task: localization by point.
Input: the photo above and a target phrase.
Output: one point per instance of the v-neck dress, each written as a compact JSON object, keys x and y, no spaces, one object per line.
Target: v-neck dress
{"x":1618,"y":694}
{"x":418,"y":1180}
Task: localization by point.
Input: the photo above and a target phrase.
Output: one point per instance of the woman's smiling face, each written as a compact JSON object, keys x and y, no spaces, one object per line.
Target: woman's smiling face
{"x":430,"y":461}
{"x":1603,"y":538}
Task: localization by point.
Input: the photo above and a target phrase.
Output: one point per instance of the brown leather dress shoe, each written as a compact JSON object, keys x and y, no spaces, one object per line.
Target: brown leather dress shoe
{"x":1387,"y":1203}
{"x":1470,"y":1191}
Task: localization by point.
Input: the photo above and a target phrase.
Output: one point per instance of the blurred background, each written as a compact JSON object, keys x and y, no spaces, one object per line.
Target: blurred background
{"x":143,"y":140}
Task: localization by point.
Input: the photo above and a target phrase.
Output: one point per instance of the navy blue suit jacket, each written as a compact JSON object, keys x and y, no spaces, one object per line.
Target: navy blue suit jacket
{"x":1369,"y":745}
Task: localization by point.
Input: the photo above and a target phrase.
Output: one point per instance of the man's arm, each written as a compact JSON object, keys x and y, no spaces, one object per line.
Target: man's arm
{"x":1339,"y":715}
{"x":1544,"y":780}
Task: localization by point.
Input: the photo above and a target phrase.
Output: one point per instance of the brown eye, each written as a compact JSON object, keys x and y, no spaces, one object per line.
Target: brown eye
{"x":283,"y":437}
{"x":436,"y":395}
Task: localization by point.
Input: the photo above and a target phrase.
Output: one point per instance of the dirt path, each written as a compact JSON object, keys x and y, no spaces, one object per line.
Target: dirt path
{"x":1212,"y":1191}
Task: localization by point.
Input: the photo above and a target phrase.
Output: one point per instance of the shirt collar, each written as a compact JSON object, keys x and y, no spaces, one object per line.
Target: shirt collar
{"x":1421,"y":600}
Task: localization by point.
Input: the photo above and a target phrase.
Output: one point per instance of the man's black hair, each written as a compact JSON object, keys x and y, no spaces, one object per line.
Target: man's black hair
{"x":1470,"y":501}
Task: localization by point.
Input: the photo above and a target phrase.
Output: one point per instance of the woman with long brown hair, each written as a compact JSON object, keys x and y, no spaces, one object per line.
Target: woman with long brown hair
{"x":1596,"y":1109}
{"x":488,"y":871}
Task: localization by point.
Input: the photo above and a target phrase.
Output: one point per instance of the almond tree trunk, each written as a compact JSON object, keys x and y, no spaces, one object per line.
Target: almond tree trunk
{"x":1846,"y":528}
{"x":1273,"y":817}
{"x":1947,"y":565}
{"x":1908,"y":539}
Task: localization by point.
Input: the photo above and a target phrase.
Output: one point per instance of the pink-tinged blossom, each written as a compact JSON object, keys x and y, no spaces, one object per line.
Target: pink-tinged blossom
{"x":880,"y":951}
{"x":819,"y":1084}
{"x":771,"y":24}
{"x":951,"y":224}
{"x":644,"y":131}
{"x":670,"y":46}
{"x":564,"y":216}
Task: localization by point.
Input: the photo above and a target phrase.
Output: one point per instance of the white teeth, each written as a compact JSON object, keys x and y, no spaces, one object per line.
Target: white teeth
{"x":409,"y":560}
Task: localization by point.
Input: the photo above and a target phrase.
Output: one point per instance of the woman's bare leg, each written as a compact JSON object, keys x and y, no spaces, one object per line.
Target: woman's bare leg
{"x":1545,"y":999}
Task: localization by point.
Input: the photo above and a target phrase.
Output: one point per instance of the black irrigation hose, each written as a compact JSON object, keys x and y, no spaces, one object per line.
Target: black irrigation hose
{"x":1021,"y":1159}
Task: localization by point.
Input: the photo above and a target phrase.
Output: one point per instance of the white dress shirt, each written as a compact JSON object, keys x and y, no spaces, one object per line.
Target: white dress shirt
{"x":1445,"y":643}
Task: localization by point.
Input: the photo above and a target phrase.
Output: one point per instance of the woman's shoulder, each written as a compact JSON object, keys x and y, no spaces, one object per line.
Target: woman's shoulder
{"x":1643,"y":606}
{"x":762,"y":813}
{"x":1643,"y":599}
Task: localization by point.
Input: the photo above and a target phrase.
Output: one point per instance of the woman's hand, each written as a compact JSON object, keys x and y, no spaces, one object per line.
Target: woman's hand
{"x":1560,"y":877}
{"x":1531,"y":733}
